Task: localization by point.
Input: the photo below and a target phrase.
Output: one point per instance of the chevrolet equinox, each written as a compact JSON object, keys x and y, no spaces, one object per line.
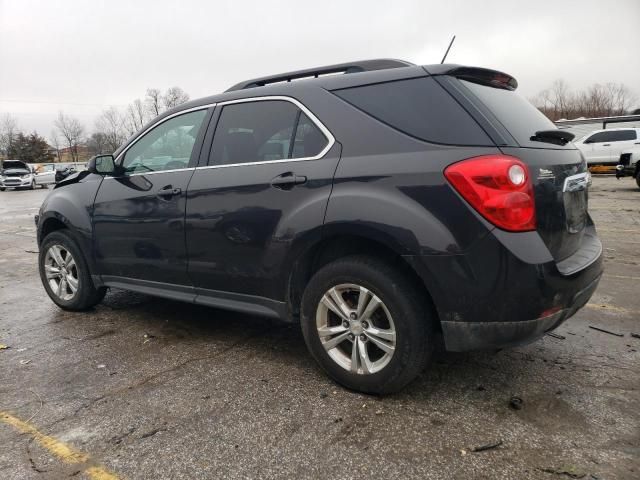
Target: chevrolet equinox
{"x":384,"y":206}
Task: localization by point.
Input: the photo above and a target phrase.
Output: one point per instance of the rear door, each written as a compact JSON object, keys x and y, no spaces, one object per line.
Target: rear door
{"x":264,"y":184}
{"x":139,"y":215}
{"x":622,"y":141}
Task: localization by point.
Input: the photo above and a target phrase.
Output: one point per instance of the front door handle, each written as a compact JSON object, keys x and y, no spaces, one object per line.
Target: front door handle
{"x":288,"y":180}
{"x":606,"y":144}
{"x":168,"y":192}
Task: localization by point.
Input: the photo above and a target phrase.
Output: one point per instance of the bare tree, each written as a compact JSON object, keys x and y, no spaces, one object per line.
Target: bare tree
{"x":596,"y":101}
{"x":55,"y":142}
{"x":153,"y":101}
{"x":71,"y":131}
{"x":8,"y":132}
{"x":173,"y":97}
{"x":112,"y":125}
{"x":136,"y":116}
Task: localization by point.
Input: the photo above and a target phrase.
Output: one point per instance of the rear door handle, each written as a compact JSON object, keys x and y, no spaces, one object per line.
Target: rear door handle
{"x":606,"y":144}
{"x":168,"y":192}
{"x":288,"y":180}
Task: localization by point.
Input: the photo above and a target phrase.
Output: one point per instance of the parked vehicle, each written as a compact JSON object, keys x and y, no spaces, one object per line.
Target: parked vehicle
{"x":63,"y":172}
{"x":604,"y":147}
{"x":629,"y":164}
{"x":45,"y":175}
{"x":379,"y":208}
{"x":16,"y":174}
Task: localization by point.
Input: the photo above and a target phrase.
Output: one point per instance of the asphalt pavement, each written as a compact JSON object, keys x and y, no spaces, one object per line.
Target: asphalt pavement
{"x":146,"y":388}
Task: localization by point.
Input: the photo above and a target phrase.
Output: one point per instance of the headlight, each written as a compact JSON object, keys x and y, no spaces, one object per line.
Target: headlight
{"x":26,"y":175}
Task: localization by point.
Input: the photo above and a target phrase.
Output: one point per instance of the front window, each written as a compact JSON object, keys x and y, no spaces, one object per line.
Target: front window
{"x":166,"y":147}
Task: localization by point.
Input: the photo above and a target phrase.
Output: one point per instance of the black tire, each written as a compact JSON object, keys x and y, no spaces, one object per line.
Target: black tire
{"x":638,"y":180}
{"x":33,"y":185}
{"x":2,"y":189}
{"x":87,"y":295}
{"x":412,"y":315}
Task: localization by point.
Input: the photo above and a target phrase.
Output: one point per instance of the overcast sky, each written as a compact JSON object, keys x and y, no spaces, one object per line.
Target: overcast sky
{"x":83,"y":56}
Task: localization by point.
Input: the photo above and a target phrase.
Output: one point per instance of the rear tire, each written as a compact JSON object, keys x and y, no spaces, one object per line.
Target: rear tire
{"x":33,"y":185}
{"x":638,"y":180}
{"x":377,"y":345}
{"x":65,"y":274}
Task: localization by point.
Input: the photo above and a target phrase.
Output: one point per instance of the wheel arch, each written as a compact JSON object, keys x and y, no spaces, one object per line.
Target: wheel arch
{"x":339,"y":245}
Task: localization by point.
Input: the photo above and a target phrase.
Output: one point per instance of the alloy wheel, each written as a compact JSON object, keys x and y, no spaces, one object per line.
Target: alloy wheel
{"x":61,"y":272}
{"x":356,"y":329}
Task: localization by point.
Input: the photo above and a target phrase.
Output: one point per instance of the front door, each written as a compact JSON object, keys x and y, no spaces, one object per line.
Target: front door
{"x":139,"y":214}
{"x":266,"y":184}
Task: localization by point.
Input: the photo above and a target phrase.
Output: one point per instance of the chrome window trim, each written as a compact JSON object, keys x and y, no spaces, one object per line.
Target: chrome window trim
{"x":120,"y":156}
{"x":325,"y":131}
{"x":186,"y":169}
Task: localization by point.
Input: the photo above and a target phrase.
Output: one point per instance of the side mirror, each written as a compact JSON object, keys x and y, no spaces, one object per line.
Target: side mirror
{"x":102,"y":165}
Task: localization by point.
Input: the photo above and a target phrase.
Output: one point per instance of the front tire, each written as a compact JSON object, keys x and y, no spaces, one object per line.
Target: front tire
{"x":65,"y":274}
{"x":638,"y":180}
{"x":367,"y":325}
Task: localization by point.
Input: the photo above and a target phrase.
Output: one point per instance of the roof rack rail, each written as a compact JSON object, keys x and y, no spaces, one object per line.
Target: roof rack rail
{"x":350,"y":67}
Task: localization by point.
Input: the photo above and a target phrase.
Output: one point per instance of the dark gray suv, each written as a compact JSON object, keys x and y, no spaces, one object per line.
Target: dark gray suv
{"x":380,"y":204}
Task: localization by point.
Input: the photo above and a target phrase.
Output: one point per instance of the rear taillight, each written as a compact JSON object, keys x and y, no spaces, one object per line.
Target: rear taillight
{"x":499,"y":187}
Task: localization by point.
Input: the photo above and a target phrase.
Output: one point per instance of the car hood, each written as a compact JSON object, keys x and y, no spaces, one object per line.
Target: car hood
{"x":14,"y":171}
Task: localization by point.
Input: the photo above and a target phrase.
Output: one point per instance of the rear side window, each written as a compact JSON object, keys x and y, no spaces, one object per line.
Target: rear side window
{"x":419,"y":107}
{"x":514,"y":112}
{"x":263,"y":131}
{"x":622,"y":135}
{"x":599,"y":137}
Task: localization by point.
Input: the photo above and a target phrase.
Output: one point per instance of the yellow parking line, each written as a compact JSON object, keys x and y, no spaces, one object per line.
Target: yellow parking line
{"x":61,"y":450}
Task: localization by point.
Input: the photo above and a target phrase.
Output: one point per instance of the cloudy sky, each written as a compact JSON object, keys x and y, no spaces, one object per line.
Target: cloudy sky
{"x":83,"y":56}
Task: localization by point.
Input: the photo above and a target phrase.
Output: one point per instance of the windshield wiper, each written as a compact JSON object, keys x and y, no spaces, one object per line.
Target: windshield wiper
{"x":557,"y":137}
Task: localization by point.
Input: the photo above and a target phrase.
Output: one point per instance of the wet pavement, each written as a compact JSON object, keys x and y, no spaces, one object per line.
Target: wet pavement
{"x":145,"y":388}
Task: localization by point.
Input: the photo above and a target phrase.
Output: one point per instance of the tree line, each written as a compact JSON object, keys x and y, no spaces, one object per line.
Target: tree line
{"x":110,"y":130}
{"x":599,"y":100}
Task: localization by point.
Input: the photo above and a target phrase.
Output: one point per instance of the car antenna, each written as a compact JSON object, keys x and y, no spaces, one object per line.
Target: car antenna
{"x":448,"y":48}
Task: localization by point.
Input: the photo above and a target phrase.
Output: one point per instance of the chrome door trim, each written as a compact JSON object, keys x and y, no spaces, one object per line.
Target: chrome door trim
{"x":325,"y":131}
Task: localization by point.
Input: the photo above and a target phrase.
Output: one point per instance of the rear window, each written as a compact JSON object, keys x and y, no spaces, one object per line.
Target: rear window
{"x":514,"y":112}
{"x":418,"y":107}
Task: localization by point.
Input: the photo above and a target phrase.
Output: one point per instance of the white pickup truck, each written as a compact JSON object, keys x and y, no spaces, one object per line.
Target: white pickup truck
{"x":604,"y":147}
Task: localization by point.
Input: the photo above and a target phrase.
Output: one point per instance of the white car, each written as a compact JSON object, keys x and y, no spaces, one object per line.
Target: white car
{"x":604,"y":147}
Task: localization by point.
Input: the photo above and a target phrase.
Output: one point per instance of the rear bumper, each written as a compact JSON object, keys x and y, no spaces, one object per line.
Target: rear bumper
{"x":507,"y":290}
{"x":627,"y":170}
{"x":465,"y":336}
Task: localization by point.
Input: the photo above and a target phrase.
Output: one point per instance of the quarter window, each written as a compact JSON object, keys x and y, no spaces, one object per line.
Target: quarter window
{"x":599,"y":137}
{"x":418,"y":107}
{"x":167,"y":147}
{"x":263,"y":131}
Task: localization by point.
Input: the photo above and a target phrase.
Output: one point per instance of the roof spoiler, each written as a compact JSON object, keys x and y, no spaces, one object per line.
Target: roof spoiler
{"x":350,"y":67}
{"x":483,"y":76}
